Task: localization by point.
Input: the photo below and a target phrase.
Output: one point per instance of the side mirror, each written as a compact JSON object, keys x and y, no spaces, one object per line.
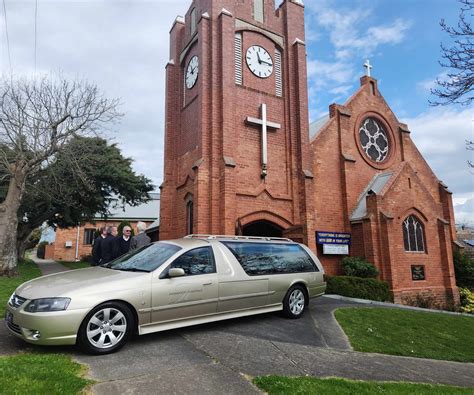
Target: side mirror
{"x":176,"y":272}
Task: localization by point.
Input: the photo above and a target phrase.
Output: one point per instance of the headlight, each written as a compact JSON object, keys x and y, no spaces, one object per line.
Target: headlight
{"x":47,"y":304}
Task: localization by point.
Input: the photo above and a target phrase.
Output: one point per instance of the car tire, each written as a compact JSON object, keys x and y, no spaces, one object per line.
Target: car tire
{"x":294,"y":302}
{"x":106,"y":328}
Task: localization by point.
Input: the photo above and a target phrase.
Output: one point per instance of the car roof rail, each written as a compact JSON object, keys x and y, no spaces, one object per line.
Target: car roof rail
{"x":234,"y":237}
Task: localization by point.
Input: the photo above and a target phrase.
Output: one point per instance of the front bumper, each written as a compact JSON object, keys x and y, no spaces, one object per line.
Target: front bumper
{"x":54,"y":328}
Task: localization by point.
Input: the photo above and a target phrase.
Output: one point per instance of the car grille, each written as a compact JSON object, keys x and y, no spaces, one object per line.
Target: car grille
{"x":14,"y":327}
{"x":16,"y":301}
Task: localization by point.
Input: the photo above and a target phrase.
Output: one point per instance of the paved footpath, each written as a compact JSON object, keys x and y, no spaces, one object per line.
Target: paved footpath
{"x":219,"y":357}
{"x":48,"y":266}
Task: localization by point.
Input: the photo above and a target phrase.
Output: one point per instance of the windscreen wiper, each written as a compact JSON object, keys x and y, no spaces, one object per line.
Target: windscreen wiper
{"x":133,"y":269}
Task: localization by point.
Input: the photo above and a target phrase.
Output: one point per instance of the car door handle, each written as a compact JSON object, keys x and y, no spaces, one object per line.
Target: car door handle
{"x":207,"y":284}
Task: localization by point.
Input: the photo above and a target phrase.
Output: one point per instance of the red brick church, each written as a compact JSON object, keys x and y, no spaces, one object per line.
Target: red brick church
{"x":242,"y":158}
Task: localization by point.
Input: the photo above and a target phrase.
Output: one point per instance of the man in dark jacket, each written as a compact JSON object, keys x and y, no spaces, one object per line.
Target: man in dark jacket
{"x":96,"y":249}
{"x":122,"y":243}
{"x":141,"y":239}
{"x":107,"y":245}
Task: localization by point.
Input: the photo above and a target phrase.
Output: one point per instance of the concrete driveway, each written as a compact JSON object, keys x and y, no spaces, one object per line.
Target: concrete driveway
{"x":219,"y":358}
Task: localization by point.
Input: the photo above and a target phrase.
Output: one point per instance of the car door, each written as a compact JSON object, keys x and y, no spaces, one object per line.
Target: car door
{"x":192,"y":295}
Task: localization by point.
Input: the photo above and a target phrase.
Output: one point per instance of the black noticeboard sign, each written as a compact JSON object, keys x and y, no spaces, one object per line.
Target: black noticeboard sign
{"x":418,"y":272}
{"x":333,"y":238}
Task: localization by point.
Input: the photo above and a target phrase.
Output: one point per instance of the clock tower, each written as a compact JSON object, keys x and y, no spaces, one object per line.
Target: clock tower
{"x":236,"y":134}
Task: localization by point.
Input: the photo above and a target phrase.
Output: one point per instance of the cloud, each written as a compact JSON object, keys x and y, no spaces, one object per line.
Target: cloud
{"x":353,"y":36}
{"x":323,"y":73}
{"x":464,"y":213}
{"x":427,"y":85}
{"x":121,"y":46}
{"x":347,"y":33}
{"x":440,"y":135}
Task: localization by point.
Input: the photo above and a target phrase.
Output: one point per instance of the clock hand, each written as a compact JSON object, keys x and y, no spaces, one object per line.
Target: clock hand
{"x":259,"y":60}
{"x":269,"y":64}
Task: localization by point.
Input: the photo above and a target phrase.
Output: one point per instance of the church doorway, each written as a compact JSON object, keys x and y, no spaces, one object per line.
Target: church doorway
{"x":262,"y":228}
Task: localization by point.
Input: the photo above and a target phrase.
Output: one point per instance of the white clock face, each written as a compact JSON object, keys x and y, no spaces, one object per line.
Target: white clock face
{"x":259,"y":61}
{"x":192,"y":72}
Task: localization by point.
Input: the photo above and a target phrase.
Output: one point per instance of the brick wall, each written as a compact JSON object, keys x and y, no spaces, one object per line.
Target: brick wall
{"x":68,"y":254}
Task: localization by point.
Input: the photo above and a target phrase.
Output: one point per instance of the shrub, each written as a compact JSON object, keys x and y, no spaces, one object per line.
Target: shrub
{"x":423,"y":300}
{"x":467,"y":300}
{"x":41,"y":249}
{"x":88,"y":259}
{"x":464,"y":269}
{"x":358,"y":267}
{"x":356,"y":287}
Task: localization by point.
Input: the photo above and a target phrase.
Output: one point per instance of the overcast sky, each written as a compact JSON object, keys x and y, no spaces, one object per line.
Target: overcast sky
{"x":122,"y":46}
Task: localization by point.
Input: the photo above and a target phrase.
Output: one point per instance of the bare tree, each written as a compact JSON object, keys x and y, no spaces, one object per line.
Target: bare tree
{"x":470,"y":147}
{"x":37,"y":118}
{"x":459,"y":59}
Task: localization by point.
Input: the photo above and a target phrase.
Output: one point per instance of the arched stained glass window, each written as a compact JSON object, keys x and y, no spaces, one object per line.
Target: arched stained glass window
{"x":413,"y":234}
{"x":189,"y":217}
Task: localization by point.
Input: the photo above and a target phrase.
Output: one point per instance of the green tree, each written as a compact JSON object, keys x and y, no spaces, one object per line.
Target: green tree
{"x":86,"y":179}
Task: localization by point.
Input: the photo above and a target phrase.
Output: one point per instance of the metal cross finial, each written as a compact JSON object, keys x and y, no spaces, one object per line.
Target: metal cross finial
{"x":368,"y":66}
{"x":265,"y":124}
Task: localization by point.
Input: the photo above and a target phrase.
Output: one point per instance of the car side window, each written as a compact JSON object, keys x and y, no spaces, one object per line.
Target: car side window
{"x":197,"y":261}
{"x":268,"y":258}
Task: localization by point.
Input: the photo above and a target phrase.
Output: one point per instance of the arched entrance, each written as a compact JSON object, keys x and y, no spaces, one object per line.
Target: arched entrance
{"x":262,"y":228}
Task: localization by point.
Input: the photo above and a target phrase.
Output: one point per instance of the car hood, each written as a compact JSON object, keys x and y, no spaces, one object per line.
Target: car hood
{"x":66,"y":283}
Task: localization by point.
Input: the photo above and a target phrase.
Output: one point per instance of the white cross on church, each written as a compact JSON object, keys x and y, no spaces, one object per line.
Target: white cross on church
{"x":368,"y":66}
{"x":265,"y":124}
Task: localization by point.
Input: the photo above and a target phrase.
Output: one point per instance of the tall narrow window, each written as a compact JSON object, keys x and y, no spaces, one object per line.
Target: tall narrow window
{"x":189,"y":217}
{"x":258,"y":10}
{"x":278,"y":77}
{"x":89,"y":236}
{"x":413,"y":234}
{"x":238,"y":58}
{"x":193,"y":21}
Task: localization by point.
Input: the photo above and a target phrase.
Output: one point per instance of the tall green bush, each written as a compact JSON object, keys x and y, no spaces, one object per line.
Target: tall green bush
{"x":464,"y":269}
{"x":467,"y":300}
{"x":358,"y":267}
{"x":356,"y":287}
{"x":41,"y":249}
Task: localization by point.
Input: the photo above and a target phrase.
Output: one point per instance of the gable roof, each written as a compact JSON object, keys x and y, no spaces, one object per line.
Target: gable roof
{"x":376,"y":185}
{"x":148,"y":211}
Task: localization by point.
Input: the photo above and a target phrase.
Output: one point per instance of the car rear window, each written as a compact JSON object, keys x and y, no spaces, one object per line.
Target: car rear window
{"x":271,"y":258}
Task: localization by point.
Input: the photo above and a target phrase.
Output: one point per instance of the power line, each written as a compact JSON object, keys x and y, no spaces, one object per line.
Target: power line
{"x":36,"y":32}
{"x":8,"y":40}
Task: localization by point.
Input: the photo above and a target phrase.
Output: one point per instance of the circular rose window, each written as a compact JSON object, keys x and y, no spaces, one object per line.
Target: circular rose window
{"x":374,"y":140}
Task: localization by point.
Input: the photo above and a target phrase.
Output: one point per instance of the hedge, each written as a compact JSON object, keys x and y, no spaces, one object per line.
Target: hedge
{"x":356,"y":287}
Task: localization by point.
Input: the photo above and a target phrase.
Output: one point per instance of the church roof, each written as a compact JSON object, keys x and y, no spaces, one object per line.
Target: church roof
{"x":375,"y":186}
{"x":154,"y":225}
{"x":148,"y":211}
{"x":317,"y":125}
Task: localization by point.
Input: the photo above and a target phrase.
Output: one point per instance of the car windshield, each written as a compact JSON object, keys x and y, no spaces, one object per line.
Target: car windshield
{"x":145,"y":259}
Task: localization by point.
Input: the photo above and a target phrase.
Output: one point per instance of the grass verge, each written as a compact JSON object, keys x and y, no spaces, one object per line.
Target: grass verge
{"x":41,"y":374}
{"x":336,"y":386}
{"x":27,"y":271}
{"x":75,"y":265}
{"x":409,"y":333}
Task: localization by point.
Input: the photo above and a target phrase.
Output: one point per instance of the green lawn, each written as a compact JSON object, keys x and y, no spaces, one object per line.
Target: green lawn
{"x":336,"y":386}
{"x":75,"y":265}
{"x":28,"y":270}
{"x":409,"y":333}
{"x":41,"y":374}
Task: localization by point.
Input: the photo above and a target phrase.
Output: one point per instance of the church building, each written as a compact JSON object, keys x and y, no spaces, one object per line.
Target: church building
{"x":242,"y":159}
